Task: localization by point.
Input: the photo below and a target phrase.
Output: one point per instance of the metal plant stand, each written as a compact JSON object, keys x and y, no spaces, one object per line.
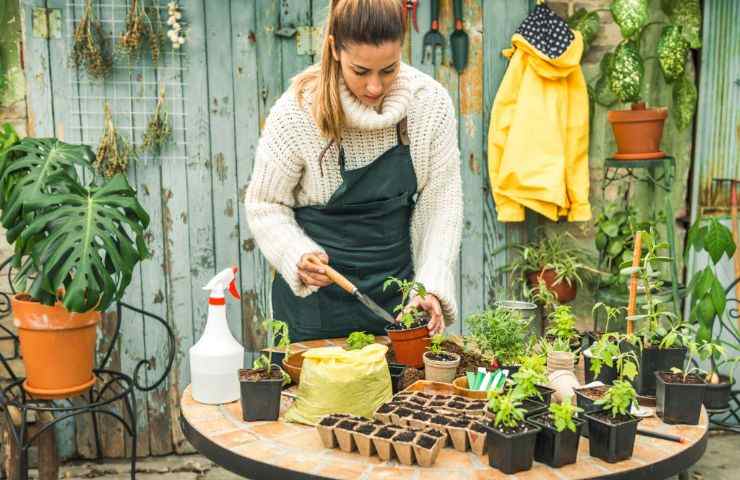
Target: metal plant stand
{"x":110,"y":388}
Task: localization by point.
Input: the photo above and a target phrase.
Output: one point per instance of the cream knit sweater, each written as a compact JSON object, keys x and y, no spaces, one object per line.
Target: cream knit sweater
{"x":287,"y":175}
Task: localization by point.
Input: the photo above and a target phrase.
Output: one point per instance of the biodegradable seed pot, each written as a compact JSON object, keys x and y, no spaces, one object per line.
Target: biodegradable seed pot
{"x":678,"y":399}
{"x":560,"y":361}
{"x":326,"y":431}
{"x":362,"y":435}
{"x":477,"y":434}
{"x":553,"y":447}
{"x":441,"y":367}
{"x":260,"y":393}
{"x":611,"y":439}
{"x":403,"y":444}
{"x":343,"y":431}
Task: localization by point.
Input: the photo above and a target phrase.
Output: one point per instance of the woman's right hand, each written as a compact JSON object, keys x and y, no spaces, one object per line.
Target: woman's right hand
{"x":310,"y":269}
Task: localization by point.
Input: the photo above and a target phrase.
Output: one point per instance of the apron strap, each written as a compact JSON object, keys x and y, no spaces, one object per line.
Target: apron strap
{"x":402,"y":132}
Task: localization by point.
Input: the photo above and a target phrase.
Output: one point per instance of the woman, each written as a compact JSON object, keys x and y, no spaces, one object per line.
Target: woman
{"x":358,"y":167}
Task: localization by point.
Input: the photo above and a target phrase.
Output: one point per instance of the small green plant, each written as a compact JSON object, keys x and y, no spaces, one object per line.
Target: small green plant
{"x":563,"y":324}
{"x":499,"y":333}
{"x":618,"y":399}
{"x":541,"y":295}
{"x":703,"y":351}
{"x":409,"y":314}
{"x":359,"y":340}
{"x":435,"y":346}
{"x":612,"y":313}
{"x":606,"y":352}
{"x":526,"y":381}
{"x":536,"y":362}
{"x":277,"y":336}
{"x":562,"y":414}
{"x":506,"y":408}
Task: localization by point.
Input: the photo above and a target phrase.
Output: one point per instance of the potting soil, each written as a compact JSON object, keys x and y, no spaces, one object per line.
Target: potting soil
{"x":520,"y":428}
{"x":385,"y":432}
{"x":594,"y":393}
{"x":425,"y":441}
{"x":409,"y":376}
{"x":434,"y":433}
{"x":365,"y":429}
{"x":403,"y":412}
{"x":678,"y":378}
{"x":418,"y":401}
{"x":437,"y":403}
{"x":440,"y":357}
{"x":458,"y":405}
{"x":460,"y":423}
{"x":386,"y":407}
{"x":405,"y":437}
{"x":477,"y":427}
{"x":440,"y":420}
{"x":329,"y":421}
{"x":421,"y":416}
{"x":417,"y":323}
{"x":607,"y":417}
{"x":252,"y":375}
{"x":347,"y":425}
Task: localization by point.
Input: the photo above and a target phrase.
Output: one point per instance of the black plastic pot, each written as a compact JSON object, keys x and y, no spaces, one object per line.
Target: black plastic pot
{"x":532,"y":407}
{"x":678,"y":402}
{"x":717,"y":396}
{"x":611,"y":443}
{"x":556,"y":448}
{"x":588,"y":406}
{"x":546,"y":393}
{"x":511,"y":453}
{"x":260,"y":399}
{"x":511,"y":368}
{"x":654,"y":360}
{"x":396,"y":370}
{"x":607,"y":375}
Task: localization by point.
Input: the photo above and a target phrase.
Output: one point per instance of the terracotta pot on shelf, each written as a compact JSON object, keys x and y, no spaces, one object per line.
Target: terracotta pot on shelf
{"x":563,"y":291}
{"x":58,"y":347}
{"x":638,"y":131}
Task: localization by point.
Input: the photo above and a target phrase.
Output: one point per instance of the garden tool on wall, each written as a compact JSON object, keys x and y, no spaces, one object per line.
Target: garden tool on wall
{"x":412,"y":5}
{"x":433,"y":39}
{"x":735,"y":233}
{"x":459,"y":40}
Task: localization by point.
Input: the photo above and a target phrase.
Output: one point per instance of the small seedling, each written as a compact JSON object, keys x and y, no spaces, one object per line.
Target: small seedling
{"x":562,"y":415}
{"x":275,"y":330}
{"x":703,"y":351}
{"x":409,"y":314}
{"x":435,"y":346}
{"x":606,"y":352}
{"x":618,"y":399}
{"x":563,"y":324}
{"x":505,"y":407}
{"x":612,"y":313}
{"x":526,"y":381}
{"x":359,"y":340}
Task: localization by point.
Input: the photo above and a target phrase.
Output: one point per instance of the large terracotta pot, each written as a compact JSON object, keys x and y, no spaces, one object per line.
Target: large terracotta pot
{"x":638,"y":132}
{"x":563,"y":291}
{"x":58,"y":347}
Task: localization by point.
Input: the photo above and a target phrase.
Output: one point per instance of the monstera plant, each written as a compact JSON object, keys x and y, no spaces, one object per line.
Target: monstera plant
{"x":76,"y":245}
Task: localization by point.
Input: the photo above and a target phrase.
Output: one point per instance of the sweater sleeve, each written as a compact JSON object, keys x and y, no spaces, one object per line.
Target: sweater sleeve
{"x":436,"y":224}
{"x":269,"y":201}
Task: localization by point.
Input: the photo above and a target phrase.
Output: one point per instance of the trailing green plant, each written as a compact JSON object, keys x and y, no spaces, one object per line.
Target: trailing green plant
{"x":618,"y":399}
{"x":90,"y":46}
{"x":562,"y":324}
{"x":506,"y":408}
{"x":499,"y":333}
{"x":622,"y":71}
{"x":359,"y":340}
{"x":707,"y":293}
{"x":563,"y":413}
{"x":70,"y":239}
{"x":606,"y":352}
{"x":277,"y":337}
{"x":409,"y":314}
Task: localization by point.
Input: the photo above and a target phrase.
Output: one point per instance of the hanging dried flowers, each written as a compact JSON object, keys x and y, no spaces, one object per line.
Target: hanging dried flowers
{"x":90,"y":45}
{"x":176,"y":33}
{"x":141,"y":30}
{"x":159,"y":130}
{"x":114,"y":151}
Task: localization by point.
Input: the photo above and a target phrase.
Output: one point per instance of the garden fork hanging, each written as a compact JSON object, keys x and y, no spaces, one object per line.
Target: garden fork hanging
{"x":433,"y":39}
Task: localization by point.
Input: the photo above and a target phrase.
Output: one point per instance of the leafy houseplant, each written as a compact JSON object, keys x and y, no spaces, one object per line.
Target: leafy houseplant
{"x":73,"y":253}
{"x":612,"y":430}
{"x":410,"y":336}
{"x":511,"y":439}
{"x":499,"y":334}
{"x":680,"y":392}
{"x":557,"y":441}
{"x":439,"y":365}
{"x":638,"y":131}
{"x":261,"y":385}
{"x":359,"y":340}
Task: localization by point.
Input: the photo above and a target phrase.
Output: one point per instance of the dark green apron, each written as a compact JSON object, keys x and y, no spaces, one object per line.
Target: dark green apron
{"x":365,"y":230}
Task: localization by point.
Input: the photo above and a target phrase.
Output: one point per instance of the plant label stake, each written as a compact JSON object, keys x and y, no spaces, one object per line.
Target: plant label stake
{"x":216,"y":359}
{"x":632,"y":306}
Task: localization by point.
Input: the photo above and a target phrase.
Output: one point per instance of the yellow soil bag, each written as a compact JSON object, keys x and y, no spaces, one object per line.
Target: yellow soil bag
{"x":334,"y":380}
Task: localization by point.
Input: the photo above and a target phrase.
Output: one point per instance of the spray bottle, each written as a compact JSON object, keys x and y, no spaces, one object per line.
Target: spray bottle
{"x":216,"y":358}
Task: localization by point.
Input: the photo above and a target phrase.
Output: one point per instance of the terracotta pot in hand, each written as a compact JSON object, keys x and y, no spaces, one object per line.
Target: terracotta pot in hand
{"x":564,"y":291}
{"x":638,"y":132}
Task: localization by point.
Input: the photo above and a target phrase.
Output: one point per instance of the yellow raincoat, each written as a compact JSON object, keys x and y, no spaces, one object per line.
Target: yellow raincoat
{"x":538,"y":137}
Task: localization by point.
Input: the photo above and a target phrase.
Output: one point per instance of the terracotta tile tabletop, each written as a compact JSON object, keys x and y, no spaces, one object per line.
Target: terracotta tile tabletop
{"x":219,"y":432}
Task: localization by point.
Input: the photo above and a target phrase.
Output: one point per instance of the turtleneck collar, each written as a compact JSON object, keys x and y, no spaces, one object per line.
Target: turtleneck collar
{"x":394,"y":107}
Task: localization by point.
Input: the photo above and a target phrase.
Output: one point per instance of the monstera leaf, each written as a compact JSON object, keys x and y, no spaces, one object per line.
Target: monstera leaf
{"x":82,"y":242}
{"x":626,"y":71}
{"x":672,"y":50}
{"x":630,"y":15}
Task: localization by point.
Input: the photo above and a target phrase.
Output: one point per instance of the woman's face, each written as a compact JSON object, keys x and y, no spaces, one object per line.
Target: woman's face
{"x":369,"y":70}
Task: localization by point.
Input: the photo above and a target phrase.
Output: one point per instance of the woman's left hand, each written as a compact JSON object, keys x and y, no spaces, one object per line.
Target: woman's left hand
{"x":430,"y":304}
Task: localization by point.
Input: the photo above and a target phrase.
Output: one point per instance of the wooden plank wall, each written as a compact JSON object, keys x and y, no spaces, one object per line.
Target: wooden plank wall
{"x":234,"y":68}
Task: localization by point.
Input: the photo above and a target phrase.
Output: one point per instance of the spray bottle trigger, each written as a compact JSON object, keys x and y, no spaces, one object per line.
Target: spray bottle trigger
{"x":232,"y":285}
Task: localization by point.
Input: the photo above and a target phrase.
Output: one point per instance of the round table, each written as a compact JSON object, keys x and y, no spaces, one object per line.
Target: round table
{"x":290,"y":451}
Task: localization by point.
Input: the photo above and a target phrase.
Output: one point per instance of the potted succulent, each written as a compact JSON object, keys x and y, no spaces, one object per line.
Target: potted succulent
{"x":261,"y":385}
{"x":410,"y":336}
{"x":439,"y":365}
{"x":562,"y":325}
{"x":638,"y":131}
{"x":76,"y":245}
{"x":359,"y":340}
{"x":500,"y":334}
{"x":557,"y":441}
{"x":612,"y":429}
{"x":552,"y":260}
{"x":511,"y":439}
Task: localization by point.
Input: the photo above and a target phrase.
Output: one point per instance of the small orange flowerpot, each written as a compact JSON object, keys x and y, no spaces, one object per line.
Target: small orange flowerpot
{"x":58,"y":347}
{"x":638,"y":132}
{"x":563,"y":291}
{"x":409,"y":345}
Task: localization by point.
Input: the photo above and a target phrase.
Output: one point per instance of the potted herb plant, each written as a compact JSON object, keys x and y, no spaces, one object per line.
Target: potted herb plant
{"x":440,"y":365}
{"x":76,"y":245}
{"x":553,"y":260}
{"x":638,"y":131}
{"x":261,"y":385}
{"x":510,"y":439}
{"x":612,"y":430}
{"x":359,"y":340}
{"x":562,"y":325}
{"x":410,"y":336}
{"x":557,"y":441}
{"x":525,"y":386}
{"x":499,"y":334}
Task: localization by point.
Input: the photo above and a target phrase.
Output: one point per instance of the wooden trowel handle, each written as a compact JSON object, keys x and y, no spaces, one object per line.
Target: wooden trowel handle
{"x":335,"y":276}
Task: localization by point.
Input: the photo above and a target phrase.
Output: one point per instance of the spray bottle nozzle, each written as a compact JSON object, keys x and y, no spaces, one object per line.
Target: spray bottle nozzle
{"x":226,"y":279}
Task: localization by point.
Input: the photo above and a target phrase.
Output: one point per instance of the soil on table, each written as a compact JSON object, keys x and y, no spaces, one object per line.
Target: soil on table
{"x":365,"y":429}
{"x":691,"y":379}
{"x":250,"y":375}
{"x":607,"y":417}
{"x":405,"y":437}
{"x":385,"y":432}
{"x":593,"y":393}
{"x":440,"y":357}
{"x":520,"y":428}
{"x":440,"y":420}
{"x":329,"y":421}
{"x":386,"y":407}
{"x":347,"y":425}
{"x":469,"y":361}
{"x":425,"y":441}
{"x":423,"y":416}
{"x":409,"y":376}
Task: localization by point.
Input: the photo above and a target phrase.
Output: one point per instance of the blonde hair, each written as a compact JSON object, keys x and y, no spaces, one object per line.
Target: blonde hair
{"x":348,"y":22}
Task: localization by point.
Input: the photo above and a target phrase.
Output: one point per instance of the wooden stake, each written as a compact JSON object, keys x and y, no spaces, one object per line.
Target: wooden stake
{"x":736,"y":238}
{"x":632,"y":305}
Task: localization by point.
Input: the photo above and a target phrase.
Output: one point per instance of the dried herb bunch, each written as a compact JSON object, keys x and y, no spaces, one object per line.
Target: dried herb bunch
{"x":114,"y":151}
{"x":141,"y":29}
{"x":90,"y":46}
{"x":159,"y":130}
